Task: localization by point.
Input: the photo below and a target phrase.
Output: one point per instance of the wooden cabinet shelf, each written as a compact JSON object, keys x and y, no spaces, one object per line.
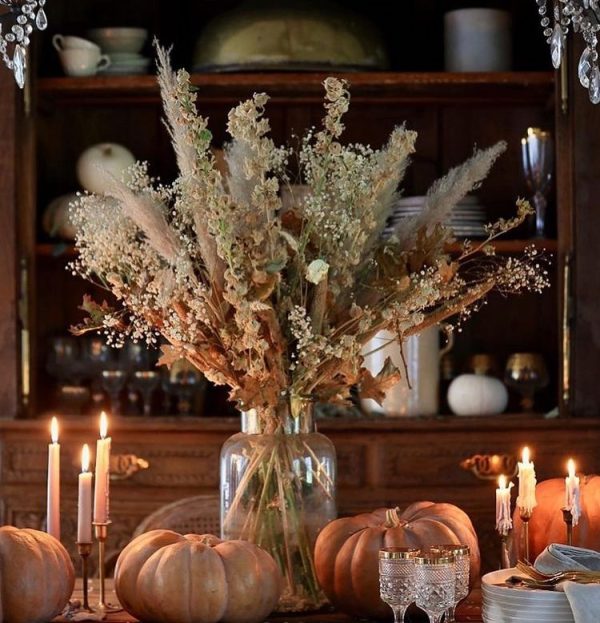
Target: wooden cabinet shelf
{"x":371,"y":424}
{"x":65,"y":250}
{"x":499,"y":88}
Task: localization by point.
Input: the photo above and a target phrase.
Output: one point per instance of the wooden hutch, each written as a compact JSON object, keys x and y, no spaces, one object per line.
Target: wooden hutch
{"x":383,"y":461}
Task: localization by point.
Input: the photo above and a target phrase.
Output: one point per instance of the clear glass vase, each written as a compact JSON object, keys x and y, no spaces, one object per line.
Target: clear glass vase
{"x":278,"y":491}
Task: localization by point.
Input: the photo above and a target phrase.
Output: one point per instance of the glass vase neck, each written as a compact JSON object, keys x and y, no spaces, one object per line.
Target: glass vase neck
{"x":292,"y":415}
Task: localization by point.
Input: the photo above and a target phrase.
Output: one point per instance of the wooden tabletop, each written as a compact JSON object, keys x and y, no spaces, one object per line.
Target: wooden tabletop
{"x":468,"y":612}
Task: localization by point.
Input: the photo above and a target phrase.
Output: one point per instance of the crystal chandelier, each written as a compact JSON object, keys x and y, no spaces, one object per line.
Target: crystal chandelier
{"x":584,"y":17}
{"x":17,"y":22}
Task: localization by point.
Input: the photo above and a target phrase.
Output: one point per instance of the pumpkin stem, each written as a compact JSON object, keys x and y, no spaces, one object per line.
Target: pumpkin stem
{"x":392,"y":518}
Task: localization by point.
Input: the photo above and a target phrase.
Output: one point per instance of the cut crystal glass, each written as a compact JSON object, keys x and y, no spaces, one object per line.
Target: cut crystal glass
{"x":397,"y":583}
{"x":436,"y":585}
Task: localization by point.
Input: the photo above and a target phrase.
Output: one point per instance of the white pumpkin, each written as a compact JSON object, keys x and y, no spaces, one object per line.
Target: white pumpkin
{"x":476,"y":394}
{"x":36,"y":576}
{"x":98,"y":163}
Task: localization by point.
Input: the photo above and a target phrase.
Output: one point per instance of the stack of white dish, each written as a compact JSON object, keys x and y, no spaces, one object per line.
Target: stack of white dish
{"x":467,"y":219}
{"x":123,"y":46}
{"x":503,"y":604}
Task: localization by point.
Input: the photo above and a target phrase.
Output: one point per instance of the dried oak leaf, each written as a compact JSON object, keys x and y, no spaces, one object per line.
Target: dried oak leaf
{"x":255,"y":393}
{"x":96,"y":312}
{"x":447,"y":270}
{"x":429,"y":244}
{"x":334,"y":393}
{"x":263,"y":284}
{"x":375,"y":387}
{"x":170,"y":354}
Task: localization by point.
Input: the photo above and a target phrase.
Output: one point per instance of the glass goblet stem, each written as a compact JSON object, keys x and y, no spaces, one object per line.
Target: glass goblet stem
{"x":115,"y":403}
{"x":147,"y":402}
{"x":399,"y":612}
{"x":541,"y":205}
{"x":449,"y":618}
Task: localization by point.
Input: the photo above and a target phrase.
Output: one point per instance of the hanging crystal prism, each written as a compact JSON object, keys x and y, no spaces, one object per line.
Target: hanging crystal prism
{"x":19,"y":21}
{"x":585,"y":67}
{"x":19,"y":65}
{"x":41,"y":21}
{"x":557,"y":44}
{"x":595,"y":86}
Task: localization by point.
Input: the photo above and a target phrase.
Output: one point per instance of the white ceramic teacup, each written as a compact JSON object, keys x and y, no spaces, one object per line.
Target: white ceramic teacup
{"x":68,"y":42}
{"x":83,"y":61}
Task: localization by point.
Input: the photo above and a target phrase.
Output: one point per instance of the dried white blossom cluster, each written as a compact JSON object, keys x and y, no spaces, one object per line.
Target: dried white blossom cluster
{"x":268,"y":298}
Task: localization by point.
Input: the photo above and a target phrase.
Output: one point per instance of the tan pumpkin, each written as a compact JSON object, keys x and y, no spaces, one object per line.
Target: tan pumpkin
{"x":547,"y":525}
{"x":347,"y":550}
{"x":164,"y":577}
{"x":37,"y":576}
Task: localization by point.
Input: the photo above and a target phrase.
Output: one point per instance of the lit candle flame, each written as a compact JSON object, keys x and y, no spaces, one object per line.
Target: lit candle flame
{"x":103,"y":425}
{"x":54,"y":430}
{"x":502,"y":482}
{"x":526,"y":456}
{"x":571,"y":468}
{"x":85,"y":458}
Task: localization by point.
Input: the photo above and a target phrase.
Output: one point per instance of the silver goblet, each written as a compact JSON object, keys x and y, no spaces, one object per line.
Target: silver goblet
{"x":537,"y":158}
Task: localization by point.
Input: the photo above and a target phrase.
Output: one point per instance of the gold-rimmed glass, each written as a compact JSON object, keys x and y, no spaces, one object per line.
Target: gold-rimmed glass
{"x":462,"y":566}
{"x":435,"y":579}
{"x":396,"y":579}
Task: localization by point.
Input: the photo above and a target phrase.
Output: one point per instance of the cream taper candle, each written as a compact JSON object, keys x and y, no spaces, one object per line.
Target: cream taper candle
{"x":84,"y":504}
{"x":53,"y":499}
{"x":503,"y":512}
{"x":572,"y":491}
{"x":526,"y":501}
{"x":101,"y":489}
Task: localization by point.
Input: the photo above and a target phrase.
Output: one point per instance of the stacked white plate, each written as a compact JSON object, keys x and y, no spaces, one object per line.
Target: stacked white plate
{"x":503,"y":604}
{"x":466,"y":220}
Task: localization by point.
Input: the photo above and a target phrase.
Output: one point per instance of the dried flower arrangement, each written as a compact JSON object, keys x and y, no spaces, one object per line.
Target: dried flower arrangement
{"x":266,"y":299}
{"x":278,"y":298}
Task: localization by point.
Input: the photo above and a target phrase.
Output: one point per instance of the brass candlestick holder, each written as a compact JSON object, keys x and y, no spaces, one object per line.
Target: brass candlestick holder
{"x":85,"y":549}
{"x":525,"y":517}
{"x":504,"y":557}
{"x":101,"y":532}
{"x":568,"y":519}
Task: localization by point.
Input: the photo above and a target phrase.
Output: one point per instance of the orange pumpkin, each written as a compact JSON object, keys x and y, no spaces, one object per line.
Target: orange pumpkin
{"x":347,"y":550}
{"x":547,"y":525}
{"x":164,"y":577}
{"x":37,"y":576}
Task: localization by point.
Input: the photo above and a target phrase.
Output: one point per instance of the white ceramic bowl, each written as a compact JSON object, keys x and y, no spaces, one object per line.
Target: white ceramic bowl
{"x":119,"y":39}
